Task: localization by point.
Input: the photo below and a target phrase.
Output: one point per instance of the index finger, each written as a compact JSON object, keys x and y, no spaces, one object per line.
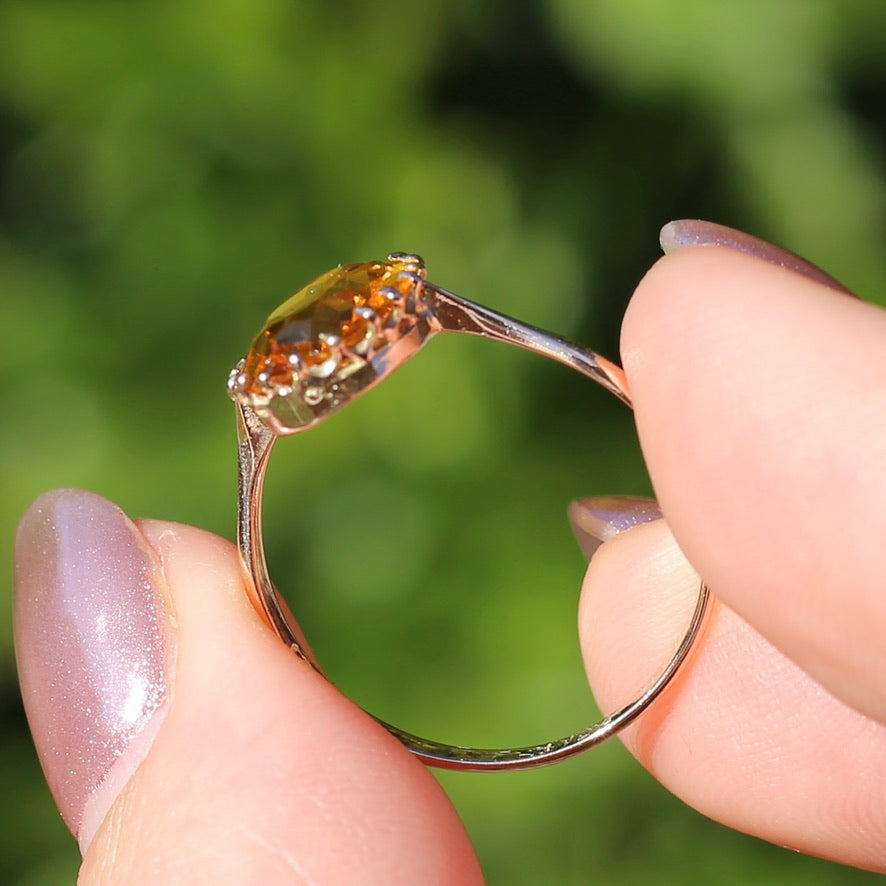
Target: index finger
{"x":761,"y":407}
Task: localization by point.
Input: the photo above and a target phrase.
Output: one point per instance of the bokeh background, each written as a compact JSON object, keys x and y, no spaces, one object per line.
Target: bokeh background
{"x":172,"y":170}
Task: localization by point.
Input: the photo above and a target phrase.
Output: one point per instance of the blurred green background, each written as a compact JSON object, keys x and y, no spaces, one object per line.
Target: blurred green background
{"x":172,"y":170}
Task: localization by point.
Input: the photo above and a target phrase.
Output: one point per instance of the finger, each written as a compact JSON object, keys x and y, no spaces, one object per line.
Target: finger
{"x":760,"y":399}
{"x":743,"y":734}
{"x":204,"y":750}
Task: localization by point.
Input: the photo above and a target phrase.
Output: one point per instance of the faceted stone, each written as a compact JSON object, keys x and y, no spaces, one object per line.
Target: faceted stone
{"x":326,"y":325}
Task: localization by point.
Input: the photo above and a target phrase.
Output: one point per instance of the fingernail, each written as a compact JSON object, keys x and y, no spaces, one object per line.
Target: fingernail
{"x":92,"y":647}
{"x":694,"y":232}
{"x":595,"y":520}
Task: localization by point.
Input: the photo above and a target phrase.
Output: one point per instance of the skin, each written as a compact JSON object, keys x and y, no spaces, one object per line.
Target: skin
{"x":760,"y":407}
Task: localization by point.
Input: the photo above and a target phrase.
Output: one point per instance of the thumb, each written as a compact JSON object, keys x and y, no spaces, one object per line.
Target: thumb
{"x":182,"y":741}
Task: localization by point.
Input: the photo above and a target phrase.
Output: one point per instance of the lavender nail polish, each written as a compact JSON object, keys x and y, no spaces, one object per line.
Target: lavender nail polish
{"x":92,"y":648}
{"x":595,"y":520}
{"x":694,"y":232}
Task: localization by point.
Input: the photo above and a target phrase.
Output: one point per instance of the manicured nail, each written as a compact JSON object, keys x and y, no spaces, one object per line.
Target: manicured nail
{"x":693,"y":232}
{"x":595,"y":520}
{"x":92,"y":647}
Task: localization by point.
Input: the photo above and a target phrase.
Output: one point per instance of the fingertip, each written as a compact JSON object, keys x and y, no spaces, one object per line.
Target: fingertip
{"x":262,"y":770}
{"x":95,"y":648}
{"x":742,"y":733}
{"x":758,"y":395}
{"x":636,"y":604}
{"x":683,"y":233}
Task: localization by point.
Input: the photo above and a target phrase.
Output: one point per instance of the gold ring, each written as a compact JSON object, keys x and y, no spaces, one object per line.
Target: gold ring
{"x":337,"y":337}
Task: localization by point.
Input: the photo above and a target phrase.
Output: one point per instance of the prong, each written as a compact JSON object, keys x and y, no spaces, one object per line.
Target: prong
{"x":370,"y":318}
{"x":415,"y":262}
{"x":237,"y":380}
{"x":414,"y":304}
{"x":393,"y":295}
{"x":313,"y":395}
{"x":315,"y":364}
{"x":391,"y":314}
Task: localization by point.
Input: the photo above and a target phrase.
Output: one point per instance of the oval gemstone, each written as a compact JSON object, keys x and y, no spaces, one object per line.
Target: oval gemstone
{"x":328,"y":331}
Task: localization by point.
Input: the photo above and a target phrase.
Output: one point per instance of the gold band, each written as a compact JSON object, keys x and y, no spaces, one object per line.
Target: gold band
{"x":337,"y":337}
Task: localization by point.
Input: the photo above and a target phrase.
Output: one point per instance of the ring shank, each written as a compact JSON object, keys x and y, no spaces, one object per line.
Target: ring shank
{"x":451,"y":313}
{"x":457,"y":314}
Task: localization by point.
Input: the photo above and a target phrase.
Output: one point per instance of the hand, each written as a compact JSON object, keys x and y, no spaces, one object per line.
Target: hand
{"x":761,"y":406}
{"x":759,"y":399}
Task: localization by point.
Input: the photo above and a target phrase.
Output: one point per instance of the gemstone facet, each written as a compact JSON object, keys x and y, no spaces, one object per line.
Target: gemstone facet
{"x":330,"y":340}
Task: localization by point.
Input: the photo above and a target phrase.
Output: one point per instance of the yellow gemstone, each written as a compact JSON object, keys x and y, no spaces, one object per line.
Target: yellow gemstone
{"x":327,"y":326}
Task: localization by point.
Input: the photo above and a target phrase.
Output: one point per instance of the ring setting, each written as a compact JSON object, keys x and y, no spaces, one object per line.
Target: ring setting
{"x":331,"y":341}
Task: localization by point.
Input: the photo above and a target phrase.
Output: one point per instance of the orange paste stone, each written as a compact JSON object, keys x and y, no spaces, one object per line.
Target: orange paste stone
{"x":325,"y":305}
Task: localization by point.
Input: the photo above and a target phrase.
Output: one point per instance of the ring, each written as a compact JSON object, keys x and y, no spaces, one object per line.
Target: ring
{"x":334,"y":339}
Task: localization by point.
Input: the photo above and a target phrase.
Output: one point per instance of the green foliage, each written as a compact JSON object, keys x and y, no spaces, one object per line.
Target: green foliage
{"x":172,"y":170}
